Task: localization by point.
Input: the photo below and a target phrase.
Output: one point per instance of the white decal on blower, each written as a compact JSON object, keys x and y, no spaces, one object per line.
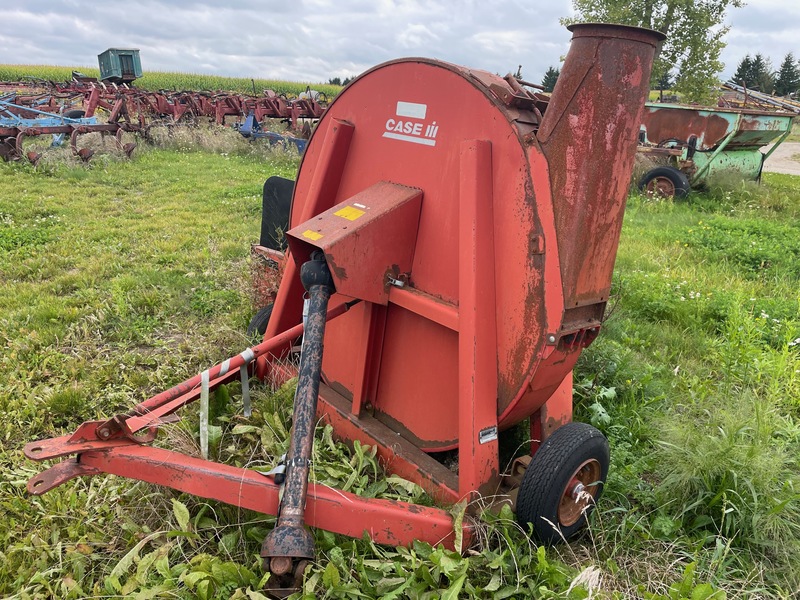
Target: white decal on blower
{"x":406,"y":130}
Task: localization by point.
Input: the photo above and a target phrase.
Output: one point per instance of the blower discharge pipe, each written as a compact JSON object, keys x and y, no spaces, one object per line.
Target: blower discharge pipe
{"x":594,"y":113}
{"x":291,"y":539}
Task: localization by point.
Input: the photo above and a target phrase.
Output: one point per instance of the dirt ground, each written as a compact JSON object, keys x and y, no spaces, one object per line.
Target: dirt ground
{"x":786,"y":159}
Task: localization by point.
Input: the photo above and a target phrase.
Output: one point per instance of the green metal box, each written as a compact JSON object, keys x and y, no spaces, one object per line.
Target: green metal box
{"x":120,"y":65}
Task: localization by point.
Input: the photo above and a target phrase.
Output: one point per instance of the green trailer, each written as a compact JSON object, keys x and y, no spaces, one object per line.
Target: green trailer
{"x":120,"y":65}
{"x":692,"y":143}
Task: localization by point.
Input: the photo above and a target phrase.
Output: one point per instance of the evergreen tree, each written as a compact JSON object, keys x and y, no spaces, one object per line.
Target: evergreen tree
{"x":788,"y":79}
{"x":744,"y":72}
{"x":550,"y":78}
{"x":761,"y":74}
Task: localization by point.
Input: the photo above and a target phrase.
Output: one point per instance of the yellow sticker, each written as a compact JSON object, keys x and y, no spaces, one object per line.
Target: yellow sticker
{"x":312,"y":235}
{"x":351,"y":213}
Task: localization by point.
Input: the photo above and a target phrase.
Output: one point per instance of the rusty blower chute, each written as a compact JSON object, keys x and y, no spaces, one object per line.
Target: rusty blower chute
{"x":468,"y":257}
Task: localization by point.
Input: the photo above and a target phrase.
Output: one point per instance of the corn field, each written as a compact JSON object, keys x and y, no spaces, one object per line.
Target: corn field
{"x":159,"y":80}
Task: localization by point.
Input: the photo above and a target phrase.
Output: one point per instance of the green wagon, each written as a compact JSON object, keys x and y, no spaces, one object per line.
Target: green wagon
{"x":692,"y":143}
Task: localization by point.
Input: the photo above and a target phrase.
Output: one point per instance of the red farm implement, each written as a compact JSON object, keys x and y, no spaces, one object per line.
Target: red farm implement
{"x":21,"y":121}
{"x":133,"y":110}
{"x":455,"y":263}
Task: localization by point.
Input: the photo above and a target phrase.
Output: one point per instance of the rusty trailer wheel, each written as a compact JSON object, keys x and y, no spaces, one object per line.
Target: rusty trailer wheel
{"x":563,"y":482}
{"x":667,"y":182}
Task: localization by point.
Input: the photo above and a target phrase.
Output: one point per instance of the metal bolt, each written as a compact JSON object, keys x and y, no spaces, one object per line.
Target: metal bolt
{"x":551,"y":339}
{"x":577,"y":490}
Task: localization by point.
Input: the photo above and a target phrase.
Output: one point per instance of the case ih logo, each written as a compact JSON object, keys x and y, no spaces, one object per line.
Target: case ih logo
{"x":410,"y":126}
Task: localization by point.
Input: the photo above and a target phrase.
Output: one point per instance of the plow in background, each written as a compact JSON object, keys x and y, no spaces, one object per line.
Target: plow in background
{"x":34,"y":108}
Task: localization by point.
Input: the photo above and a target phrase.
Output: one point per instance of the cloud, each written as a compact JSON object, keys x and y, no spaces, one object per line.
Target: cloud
{"x":310,"y":40}
{"x":769,"y":27}
{"x":313,"y":40}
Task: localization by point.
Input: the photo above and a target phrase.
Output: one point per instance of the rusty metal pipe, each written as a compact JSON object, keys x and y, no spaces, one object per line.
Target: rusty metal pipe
{"x":291,"y":540}
{"x":589,"y":136}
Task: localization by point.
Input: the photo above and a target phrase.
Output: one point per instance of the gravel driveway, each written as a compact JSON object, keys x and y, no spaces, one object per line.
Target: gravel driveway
{"x":786,"y":159}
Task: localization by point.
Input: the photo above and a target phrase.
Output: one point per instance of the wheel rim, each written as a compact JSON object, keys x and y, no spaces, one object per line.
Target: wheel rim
{"x":579,"y":493}
{"x":661,"y":186}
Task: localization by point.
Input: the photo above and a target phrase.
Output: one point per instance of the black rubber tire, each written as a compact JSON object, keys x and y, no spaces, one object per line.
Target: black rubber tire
{"x":677,"y":178}
{"x":550,"y":471}
{"x":75,"y":114}
{"x":258,"y":324}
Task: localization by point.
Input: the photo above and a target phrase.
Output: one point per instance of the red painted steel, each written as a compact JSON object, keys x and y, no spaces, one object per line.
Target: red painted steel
{"x":587,"y":142}
{"x":324,"y":185}
{"x":385,"y":521}
{"x":377,"y":227}
{"x":136,"y":111}
{"x":478,"y":456}
{"x":411,"y":137}
{"x":175,"y":105}
{"x":517,"y":208}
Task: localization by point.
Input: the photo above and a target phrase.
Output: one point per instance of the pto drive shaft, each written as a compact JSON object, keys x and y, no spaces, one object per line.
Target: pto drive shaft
{"x":291,"y":541}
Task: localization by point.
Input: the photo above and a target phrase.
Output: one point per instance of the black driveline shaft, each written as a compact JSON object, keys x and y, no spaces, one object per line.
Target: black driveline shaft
{"x":290,"y":538}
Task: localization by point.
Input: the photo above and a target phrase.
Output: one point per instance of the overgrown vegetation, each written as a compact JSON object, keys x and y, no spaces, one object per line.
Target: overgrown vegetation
{"x":122,"y":278}
{"x":162,"y":80}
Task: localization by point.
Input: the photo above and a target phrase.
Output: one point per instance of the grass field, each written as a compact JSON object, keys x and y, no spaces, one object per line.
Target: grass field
{"x":157,"y":80}
{"x":125,"y":277}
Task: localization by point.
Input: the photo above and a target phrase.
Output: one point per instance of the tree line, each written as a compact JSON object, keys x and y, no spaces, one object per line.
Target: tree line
{"x":756,"y":73}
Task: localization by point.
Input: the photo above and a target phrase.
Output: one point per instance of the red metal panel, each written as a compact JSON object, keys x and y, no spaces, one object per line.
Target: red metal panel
{"x":417,"y":392}
{"x":376,"y":228}
{"x":478,"y":457}
{"x":319,"y":195}
{"x":434,"y":273}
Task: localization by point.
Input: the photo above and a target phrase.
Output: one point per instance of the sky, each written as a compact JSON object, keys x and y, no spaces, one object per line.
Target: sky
{"x":315,"y":40}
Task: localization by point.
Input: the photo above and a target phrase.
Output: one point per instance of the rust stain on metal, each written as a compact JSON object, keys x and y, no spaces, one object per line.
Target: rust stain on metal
{"x":665,"y":125}
{"x":339,"y":271}
{"x":589,"y":188}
